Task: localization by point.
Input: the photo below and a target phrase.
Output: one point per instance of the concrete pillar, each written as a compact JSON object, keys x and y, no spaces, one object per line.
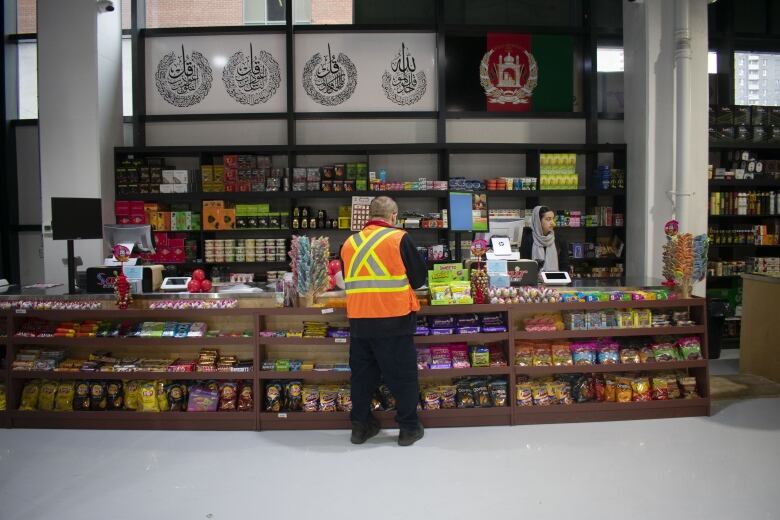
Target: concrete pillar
{"x":80,"y":114}
{"x":649,"y":78}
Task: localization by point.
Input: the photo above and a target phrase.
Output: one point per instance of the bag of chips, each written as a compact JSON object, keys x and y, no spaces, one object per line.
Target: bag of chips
{"x":561,"y":354}
{"x":610,"y":388}
{"x":540,"y":395}
{"x":674,"y":387}
{"x":525,"y":395}
{"x":81,"y":396}
{"x":177,"y":396}
{"x":640,"y":388}
{"x":273,"y":397}
{"x":3,"y":398}
{"x":624,"y":393}
{"x":690,"y":348}
{"x":646,"y":354}
{"x":97,"y":396}
{"x":465,"y":396}
{"x":30,"y":395}
{"x":542,"y":355}
{"x":448,"y":396}
{"x":328,"y":397}
{"x":147,"y":397}
{"x":162,"y":395}
{"x":582,"y":389}
{"x":609,"y":353}
{"x":498,"y":392}
{"x":246,"y":400}
{"x":688,"y":385}
{"x":344,"y":402}
{"x":64,"y":400}
{"x":524,"y":353}
{"x":481,"y":394}
{"x":311,"y":398}
{"x":664,"y":352}
{"x":561,"y":393}
{"x":47,"y":395}
{"x":114,"y":398}
{"x":130,"y":391}
{"x":228,"y":396}
{"x":660,"y":390}
{"x":584,"y":353}
{"x":293,"y":396}
{"x":431,"y":398}
{"x":629,"y":355}
{"x":599,"y":389}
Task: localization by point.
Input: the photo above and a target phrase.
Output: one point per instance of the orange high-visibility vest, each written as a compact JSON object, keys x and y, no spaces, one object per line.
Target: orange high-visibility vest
{"x":375,"y":275}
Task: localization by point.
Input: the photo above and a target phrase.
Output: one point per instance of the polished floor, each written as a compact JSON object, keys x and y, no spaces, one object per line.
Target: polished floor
{"x":724,"y":466}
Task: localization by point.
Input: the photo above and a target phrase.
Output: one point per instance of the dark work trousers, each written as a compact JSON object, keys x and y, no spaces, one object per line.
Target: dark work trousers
{"x":392,"y":359}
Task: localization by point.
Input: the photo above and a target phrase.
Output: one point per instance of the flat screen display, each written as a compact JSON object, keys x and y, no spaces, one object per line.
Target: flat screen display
{"x":555,"y":275}
{"x":76,"y":218}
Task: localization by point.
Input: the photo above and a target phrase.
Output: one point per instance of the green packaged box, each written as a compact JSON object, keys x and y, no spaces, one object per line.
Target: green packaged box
{"x":351,"y":171}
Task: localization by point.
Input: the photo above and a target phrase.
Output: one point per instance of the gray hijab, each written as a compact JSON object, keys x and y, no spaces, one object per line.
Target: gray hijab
{"x":544,"y":245}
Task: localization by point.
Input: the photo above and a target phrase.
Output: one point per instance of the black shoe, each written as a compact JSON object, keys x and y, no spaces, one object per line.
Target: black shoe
{"x":362,"y":432}
{"x":409,"y":437}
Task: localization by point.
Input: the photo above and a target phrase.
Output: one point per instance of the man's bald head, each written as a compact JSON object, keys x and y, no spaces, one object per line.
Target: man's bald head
{"x":383,"y":208}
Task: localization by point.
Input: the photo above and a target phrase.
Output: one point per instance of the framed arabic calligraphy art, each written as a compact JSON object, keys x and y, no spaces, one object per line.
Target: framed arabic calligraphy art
{"x":364,"y":72}
{"x":216,"y":75}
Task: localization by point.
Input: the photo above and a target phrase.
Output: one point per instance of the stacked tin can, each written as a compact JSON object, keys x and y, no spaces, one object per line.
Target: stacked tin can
{"x":246,"y":250}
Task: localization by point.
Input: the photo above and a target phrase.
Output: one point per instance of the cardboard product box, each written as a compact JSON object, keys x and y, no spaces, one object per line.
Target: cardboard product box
{"x":338,"y":185}
{"x":166,"y":188}
{"x":742,"y":133}
{"x":160,"y":239}
{"x":351,"y":172}
{"x":211,"y":214}
{"x":167,"y":176}
{"x":122,"y":207}
{"x":230,"y":161}
{"x":181,"y":177}
{"x":166,"y":220}
{"x":361,"y":185}
{"x":141,"y":176}
{"x":228,"y":218}
{"x":231,"y":174}
{"x":759,"y":115}
{"x":244,"y":186}
{"x":123,"y":220}
{"x":726,"y":133}
{"x":313,"y":174}
{"x":206,"y":173}
{"x":774,"y":134}
{"x":180,"y":188}
{"x":339,"y":172}
{"x":774,"y":115}
{"x":154,"y":188}
{"x":713,"y":115}
{"x":137,"y":207}
{"x":219,"y":174}
{"x":759,"y":134}
{"x":725,"y":115}
{"x":196,"y":221}
{"x":231,"y":186}
{"x":120,"y":175}
{"x":742,"y":115}
{"x":263,"y":161}
{"x":247,"y":161}
{"x":327,"y":186}
{"x":155,"y":175}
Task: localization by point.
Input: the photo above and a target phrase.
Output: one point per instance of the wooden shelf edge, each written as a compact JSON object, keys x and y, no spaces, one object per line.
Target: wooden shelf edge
{"x":54,"y":375}
{"x":482,"y":337}
{"x":135,"y":342}
{"x":335,"y":375}
{"x":622,"y":367}
{"x":598,"y":333}
{"x":135,"y":420}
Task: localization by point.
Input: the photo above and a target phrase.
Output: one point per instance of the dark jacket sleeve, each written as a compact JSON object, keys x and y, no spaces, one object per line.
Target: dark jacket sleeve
{"x":563,"y":253}
{"x":526,"y":244}
{"x":416,"y":267}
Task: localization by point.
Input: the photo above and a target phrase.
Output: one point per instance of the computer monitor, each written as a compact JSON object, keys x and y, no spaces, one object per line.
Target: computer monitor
{"x":140,"y":236}
{"x":511,"y":227}
{"x":76,"y":218}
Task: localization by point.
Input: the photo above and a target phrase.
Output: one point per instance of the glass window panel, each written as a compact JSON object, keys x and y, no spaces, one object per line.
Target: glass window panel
{"x":28,"y":79}
{"x":26,"y":16}
{"x":753,"y":72}
{"x":127,"y":77}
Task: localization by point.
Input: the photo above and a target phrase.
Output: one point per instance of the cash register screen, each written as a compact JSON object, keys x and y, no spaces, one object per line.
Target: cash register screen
{"x":555,"y":276}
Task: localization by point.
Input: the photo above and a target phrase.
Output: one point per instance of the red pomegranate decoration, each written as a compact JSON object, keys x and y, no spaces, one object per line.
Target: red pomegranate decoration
{"x":199,"y":275}
{"x":194,"y":286}
{"x":205,"y":285}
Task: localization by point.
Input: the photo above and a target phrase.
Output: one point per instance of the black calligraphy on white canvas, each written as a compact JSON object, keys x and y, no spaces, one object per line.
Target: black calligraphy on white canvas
{"x":329,"y":80}
{"x":251,"y":79}
{"x":183,"y":79}
{"x":403,"y":83}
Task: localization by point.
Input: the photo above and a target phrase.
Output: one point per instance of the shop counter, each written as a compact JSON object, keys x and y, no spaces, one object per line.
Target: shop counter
{"x":759,"y":344}
{"x":254,"y":324}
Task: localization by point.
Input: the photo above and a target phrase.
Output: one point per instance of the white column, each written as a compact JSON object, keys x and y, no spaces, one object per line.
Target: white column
{"x":80,"y":114}
{"x":649,"y":77}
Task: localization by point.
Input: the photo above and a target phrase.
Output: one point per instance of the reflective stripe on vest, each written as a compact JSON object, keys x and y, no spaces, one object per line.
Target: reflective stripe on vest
{"x":378,"y":280}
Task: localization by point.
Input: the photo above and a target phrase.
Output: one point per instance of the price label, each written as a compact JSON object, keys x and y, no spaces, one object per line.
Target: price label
{"x":282,"y":415}
{"x":328,"y":310}
{"x":21,"y":311}
{"x":341,"y":340}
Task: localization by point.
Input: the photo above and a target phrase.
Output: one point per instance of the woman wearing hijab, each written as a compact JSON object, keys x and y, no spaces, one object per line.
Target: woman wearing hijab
{"x":542,"y":245}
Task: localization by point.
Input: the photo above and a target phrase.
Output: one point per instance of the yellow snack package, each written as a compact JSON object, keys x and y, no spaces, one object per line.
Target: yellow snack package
{"x":30,"y":394}
{"x":3,"y":399}
{"x":131,"y":394}
{"x":624,"y":393}
{"x":162,"y":395}
{"x":63,"y":402}
{"x":147,"y":397}
{"x":47,"y":394}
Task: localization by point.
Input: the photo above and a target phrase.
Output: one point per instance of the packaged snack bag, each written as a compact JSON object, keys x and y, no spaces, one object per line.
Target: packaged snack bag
{"x":30,"y":395}
{"x":177,"y":397}
{"x":464,"y":397}
{"x":228,"y":396}
{"x":47,"y":395}
{"x":293,"y":396}
{"x":162,"y":396}
{"x":561,"y":354}
{"x":524,"y":394}
{"x":246,"y":400}
{"x":498,"y":392}
{"x":640,"y":388}
{"x":690,"y":348}
{"x":202,"y":399}
{"x":624,"y":392}
{"x":542,"y":355}
{"x":449,"y":396}
{"x":328,"y":397}
{"x":147,"y":397}
{"x":114,"y":396}
{"x":81,"y":396}
{"x":63,"y":402}
{"x":130,"y":389}
{"x":584,"y":353}
{"x":660,"y":389}
{"x":524,"y":353}
{"x":273,"y":397}
{"x":344,"y":402}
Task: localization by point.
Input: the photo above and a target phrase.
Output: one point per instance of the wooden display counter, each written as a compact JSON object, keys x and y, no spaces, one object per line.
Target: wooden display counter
{"x":759,"y":346}
{"x":260,"y":347}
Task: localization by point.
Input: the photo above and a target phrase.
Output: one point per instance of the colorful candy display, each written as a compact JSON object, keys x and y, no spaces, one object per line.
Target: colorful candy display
{"x":184,"y":304}
{"x":52,"y":305}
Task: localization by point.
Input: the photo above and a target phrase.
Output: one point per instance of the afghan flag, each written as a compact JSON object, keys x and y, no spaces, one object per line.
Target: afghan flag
{"x":508,"y":72}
